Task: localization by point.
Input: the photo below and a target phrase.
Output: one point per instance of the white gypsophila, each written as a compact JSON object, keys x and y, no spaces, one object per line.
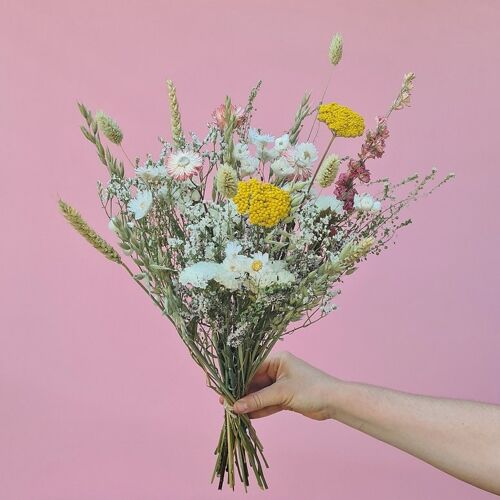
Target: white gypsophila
{"x":198,"y":274}
{"x":174,"y":242}
{"x":236,"y":337}
{"x":330,"y":202}
{"x":249,"y":166}
{"x":328,"y":307}
{"x":282,"y":143}
{"x":150,"y":172}
{"x":210,"y":251}
{"x":281,"y":168}
{"x":366,"y":203}
{"x":141,"y":204}
{"x":184,"y":165}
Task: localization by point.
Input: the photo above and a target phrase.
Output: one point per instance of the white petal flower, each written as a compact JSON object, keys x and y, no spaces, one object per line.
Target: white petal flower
{"x":305,"y":154}
{"x":366,"y":203}
{"x":233,"y":248}
{"x":281,"y":168}
{"x":240,"y":151}
{"x":141,"y":204}
{"x":199,"y":274}
{"x":184,"y":164}
{"x":282,"y":143}
{"x":151,"y":172}
{"x":330,"y":202}
{"x":260,"y":140}
{"x":249,"y":166}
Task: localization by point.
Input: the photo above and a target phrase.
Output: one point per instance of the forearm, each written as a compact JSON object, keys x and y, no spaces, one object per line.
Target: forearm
{"x":461,"y":438}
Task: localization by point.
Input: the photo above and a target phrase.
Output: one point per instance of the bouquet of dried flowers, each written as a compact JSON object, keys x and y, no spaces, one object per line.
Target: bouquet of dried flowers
{"x":241,"y":238}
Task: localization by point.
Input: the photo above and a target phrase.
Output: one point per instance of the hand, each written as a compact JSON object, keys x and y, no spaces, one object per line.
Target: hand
{"x":284,"y":382}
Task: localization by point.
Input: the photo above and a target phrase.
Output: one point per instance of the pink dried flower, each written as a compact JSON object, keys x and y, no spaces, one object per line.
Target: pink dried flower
{"x":219,"y":116}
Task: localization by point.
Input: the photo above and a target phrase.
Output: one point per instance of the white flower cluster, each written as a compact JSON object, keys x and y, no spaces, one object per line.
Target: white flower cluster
{"x":237,"y":270}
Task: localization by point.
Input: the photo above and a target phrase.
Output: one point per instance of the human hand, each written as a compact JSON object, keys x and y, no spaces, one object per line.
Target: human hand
{"x":285,"y":382}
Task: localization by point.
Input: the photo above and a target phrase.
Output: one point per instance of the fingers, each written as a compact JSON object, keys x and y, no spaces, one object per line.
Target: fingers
{"x":270,"y":410}
{"x":256,"y":401}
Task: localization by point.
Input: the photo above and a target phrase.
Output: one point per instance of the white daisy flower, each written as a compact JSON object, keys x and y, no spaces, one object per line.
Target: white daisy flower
{"x":366,"y":203}
{"x":330,"y":202}
{"x":184,"y":164}
{"x":258,"y":264}
{"x":282,"y":143}
{"x":141,"y":204}
{"x":281,"y":168}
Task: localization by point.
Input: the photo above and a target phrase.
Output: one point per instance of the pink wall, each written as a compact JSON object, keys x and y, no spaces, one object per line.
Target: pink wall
{"x":98,"y":399}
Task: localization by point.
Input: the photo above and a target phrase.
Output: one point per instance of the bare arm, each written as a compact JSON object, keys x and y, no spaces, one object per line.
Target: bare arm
{"x":462,"y":438}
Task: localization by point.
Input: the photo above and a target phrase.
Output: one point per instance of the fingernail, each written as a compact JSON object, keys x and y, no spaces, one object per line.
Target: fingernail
{"x":240,"y":407}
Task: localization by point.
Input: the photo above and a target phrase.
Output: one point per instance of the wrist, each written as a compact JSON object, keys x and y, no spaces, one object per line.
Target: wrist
{"x":336,"y":392}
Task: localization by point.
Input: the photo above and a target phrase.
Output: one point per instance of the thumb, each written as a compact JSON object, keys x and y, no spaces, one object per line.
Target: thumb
{"x":269,"y":396}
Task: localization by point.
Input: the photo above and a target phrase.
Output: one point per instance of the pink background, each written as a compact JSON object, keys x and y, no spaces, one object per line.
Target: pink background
{"x":98,"y":399}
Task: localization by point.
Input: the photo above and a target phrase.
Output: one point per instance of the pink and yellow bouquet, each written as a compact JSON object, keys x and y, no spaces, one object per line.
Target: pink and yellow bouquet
{"x":241,"y":237}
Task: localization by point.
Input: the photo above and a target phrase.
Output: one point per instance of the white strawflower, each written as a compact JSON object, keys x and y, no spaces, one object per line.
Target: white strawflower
{"x":366,"y":203}
{"x":240,"y":151}
{"x":282,"y":143}
{"x":249,"y":166}
{"x":199,"y":274}
{"x":281,"y":168}
{"x":184,"y":164}
{"x":330,"y":202}
{"x":305,"y":154}
{"x":151,"y":172}
{"x":141,"y":204}
{"x":260,"y":140}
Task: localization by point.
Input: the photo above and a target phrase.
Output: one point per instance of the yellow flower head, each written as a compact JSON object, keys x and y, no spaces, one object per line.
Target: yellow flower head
{"x":264,"y":203}
{"x":342,"y":120}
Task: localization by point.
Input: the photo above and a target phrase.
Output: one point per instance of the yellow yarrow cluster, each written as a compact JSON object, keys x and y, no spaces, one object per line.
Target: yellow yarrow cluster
{"x":264,"y":203}
{"x":342,"y":120}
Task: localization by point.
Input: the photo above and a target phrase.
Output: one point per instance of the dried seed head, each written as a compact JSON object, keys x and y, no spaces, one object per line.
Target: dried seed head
{"x":227,"y":181}
{"x":109,"y":127}
{"x":336,"y":45}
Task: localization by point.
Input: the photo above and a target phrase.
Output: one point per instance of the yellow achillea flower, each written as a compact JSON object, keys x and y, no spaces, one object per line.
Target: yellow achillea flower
{"x":342,"y":120}
{"x":264,"y":203}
